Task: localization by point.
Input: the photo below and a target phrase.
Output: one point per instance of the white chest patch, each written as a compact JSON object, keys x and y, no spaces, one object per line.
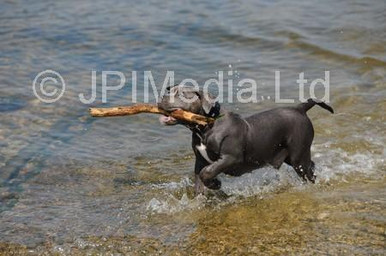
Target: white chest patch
{"x":202,"y":149}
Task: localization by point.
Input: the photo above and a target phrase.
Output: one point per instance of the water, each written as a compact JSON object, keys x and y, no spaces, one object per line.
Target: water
{"x":73,"y":184}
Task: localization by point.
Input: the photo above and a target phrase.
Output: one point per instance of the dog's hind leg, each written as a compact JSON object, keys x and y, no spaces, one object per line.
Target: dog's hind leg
{"x":310,"y":173}
{"x":279,"y":158}
{"x":303,"y":166}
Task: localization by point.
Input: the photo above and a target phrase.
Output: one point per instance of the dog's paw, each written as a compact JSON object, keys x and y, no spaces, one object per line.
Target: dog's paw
{"x":311,"y":178}
{"x":214,"y":184}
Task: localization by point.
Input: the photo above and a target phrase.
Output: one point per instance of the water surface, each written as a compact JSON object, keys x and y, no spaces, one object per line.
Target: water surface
{"x":73,"y":184}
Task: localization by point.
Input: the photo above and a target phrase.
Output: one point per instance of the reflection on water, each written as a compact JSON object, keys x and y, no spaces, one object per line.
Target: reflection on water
{"x":72,"y":184}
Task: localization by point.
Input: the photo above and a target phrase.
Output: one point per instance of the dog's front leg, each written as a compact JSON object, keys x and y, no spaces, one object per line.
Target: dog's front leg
{"x":200,"y":163}
{"x":208,"y":173}
{"x":199,"y":187}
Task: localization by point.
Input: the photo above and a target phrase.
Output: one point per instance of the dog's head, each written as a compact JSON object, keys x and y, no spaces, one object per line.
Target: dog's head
{"x":187,"y":98}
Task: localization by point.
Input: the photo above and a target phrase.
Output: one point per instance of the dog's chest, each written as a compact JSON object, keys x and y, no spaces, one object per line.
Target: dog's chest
{"x":203,"y":152}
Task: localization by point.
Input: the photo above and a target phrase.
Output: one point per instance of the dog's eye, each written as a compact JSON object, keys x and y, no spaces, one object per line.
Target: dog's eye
{"x":189,"y":95}
{"x":170,"y":91}
{"x":171,"y":88}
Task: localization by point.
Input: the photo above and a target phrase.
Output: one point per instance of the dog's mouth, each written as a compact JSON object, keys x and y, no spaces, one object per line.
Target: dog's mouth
{"x":167,"y":120}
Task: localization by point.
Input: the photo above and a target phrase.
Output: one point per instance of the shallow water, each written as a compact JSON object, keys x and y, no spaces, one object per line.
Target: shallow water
{"x":71,"y":184}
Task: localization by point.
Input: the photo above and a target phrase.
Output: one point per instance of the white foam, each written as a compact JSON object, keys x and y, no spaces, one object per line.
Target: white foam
{"x":336,"y":164}
{"x":171,"y":204}
{"x":183,"y":183}
{"x":332,"y":164}
{"x":258,"y":182}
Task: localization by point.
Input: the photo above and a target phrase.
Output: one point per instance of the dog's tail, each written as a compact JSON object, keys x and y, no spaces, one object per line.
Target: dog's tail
{"x":312,"y":102}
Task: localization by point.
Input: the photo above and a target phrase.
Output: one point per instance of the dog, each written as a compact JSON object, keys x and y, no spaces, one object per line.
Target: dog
{"x":235,"y":145}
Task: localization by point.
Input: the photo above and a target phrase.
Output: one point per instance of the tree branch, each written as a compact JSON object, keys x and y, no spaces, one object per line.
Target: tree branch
{"x":147,"y":108}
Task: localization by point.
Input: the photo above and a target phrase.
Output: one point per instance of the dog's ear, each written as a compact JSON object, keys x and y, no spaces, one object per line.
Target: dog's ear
{"x":209,"y":105}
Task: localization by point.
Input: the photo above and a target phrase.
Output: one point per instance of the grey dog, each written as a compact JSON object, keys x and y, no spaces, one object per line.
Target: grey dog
{"x":235,"y":145}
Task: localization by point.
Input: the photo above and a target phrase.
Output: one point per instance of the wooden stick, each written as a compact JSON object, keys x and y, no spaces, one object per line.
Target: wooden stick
{"x":147,"y":108}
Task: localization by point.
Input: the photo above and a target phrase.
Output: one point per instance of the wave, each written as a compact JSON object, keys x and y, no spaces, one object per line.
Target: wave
{"x":332,"y":166}
{"x":333,"y":54}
